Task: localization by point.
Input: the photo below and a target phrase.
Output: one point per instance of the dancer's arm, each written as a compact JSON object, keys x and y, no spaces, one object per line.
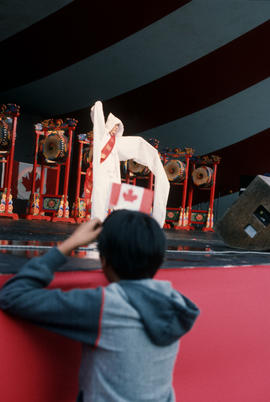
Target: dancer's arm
{"x":142,"y":152}
{"x":98,"y":120}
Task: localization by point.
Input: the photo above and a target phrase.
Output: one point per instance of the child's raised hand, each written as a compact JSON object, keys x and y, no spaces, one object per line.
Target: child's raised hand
{"x":86,"y":233}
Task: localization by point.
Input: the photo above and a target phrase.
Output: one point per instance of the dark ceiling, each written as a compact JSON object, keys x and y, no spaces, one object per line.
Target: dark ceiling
{"x":17,"y":15}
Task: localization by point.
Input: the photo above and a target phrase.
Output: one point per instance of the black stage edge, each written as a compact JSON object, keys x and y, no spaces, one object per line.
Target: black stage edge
{"x":24,"y":239}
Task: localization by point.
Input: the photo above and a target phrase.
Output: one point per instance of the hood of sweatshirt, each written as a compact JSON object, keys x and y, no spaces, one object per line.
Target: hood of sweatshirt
{"x":111,"y":122}
{"x":165,"y":313}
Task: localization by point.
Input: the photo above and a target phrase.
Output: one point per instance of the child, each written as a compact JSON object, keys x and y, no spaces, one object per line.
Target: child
{"x":130,"y":329}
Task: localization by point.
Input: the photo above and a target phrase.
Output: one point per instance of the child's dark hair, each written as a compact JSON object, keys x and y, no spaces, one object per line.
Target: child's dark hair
{"x":132,"y":243}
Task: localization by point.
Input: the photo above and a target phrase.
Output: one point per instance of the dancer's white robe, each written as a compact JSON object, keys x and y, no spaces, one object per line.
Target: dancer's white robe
{"x":108,"y":171}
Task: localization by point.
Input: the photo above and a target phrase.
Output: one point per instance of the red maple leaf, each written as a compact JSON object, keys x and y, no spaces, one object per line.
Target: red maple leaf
{"x":27,"y":181}
{"x":129,"y":196}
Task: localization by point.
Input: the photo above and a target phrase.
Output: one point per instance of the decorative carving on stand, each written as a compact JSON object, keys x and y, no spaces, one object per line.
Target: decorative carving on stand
{"x":82,"y":205}
{"x":8,"y":123}
{"x":52,"y":153}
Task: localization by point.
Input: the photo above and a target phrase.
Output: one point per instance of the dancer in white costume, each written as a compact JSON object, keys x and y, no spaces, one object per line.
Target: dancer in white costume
{"x":108,"y":150}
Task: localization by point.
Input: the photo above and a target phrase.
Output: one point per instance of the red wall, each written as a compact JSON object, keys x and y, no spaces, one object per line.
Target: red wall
{"x":226,"y":357}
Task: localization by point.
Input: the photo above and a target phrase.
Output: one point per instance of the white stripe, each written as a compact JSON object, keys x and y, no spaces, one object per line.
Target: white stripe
{"x":176,"y":40}
{"x":220,"y":125}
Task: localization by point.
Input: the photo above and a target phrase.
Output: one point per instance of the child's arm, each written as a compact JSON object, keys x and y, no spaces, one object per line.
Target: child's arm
{"x":74,"y":313}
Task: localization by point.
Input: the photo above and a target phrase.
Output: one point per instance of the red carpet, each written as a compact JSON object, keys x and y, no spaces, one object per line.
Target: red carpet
{"x":225,"y":358}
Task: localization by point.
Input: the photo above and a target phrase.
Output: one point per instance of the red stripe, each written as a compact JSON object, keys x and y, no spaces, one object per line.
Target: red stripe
{"x":100,"y":318}
{"x":116,"y":187}
{"x":147,"y":200}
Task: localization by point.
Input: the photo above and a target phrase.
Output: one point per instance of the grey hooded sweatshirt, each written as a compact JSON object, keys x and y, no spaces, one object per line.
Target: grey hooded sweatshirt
{"x":130,"y":330}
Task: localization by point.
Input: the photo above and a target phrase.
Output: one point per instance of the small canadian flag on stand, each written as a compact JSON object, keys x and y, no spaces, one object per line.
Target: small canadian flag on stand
{"x":127,"y":196}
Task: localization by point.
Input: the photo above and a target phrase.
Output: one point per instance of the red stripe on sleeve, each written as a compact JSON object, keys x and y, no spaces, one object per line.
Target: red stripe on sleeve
{"x":100,"y":318}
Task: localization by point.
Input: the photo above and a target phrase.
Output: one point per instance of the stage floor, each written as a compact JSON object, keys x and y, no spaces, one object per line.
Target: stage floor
{"x":22,"y":239}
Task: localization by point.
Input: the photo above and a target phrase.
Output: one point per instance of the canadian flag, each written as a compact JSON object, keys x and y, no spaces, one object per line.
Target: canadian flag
{"x":22,"y":176}
{"x":126,"y":196}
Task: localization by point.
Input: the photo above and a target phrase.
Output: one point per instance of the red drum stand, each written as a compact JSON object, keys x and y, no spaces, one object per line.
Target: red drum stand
{"x":8,"y":124}
{"x":82,"y":204}
{"x":177,"y":165}
{"x":204,"y":172}
{"x":52,"y":153}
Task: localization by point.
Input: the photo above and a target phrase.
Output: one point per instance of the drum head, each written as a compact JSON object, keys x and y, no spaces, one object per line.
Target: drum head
{"x":137,"y":168}
{"x":202,"y":176}
{"x":55,"y":147}
{"x":175,"y":170}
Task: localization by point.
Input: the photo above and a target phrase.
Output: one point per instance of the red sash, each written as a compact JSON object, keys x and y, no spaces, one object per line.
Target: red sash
{"x":88,"y":186}
{"x":88,"y":183}
{"x":107,"y":149}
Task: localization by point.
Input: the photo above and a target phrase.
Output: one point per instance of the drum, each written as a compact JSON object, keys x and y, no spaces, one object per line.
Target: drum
{"x":175,"y":170}
{"x":55,"y":147}
{"x":87,"y":157}
{"x":137,"y":169}
{"x":5,"y":136}
{"x":202,"y":176}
